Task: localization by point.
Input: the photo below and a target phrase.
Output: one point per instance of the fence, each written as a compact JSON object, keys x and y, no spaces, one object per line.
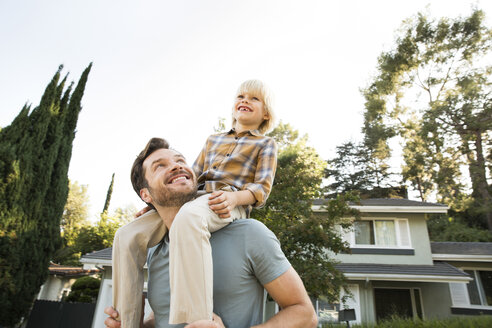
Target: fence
{"x":49,"y":314}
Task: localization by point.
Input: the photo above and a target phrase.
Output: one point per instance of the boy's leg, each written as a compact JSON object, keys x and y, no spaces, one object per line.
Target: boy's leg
{"x":129,"y":255}
{"x":190,"y":256}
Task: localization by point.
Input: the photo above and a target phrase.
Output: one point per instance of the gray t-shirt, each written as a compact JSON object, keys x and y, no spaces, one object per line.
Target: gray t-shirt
{"x":246,"y":255}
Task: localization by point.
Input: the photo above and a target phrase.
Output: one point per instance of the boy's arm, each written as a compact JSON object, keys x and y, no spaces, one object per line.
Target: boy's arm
{"x":265,"y":173}
{"x":200,"y":161}
{"x":223,"y":202}
{"x":255,"y":193}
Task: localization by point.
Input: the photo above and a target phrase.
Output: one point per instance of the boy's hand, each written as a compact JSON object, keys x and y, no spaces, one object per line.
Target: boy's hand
{"x":222,"y":203}
{"x":216,"y":322}
{"x":142,"y":211}
{"x":111,"y":321}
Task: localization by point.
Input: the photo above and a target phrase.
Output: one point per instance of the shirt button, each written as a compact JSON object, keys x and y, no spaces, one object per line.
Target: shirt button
{"x":215,"y":167}
{"x":236,"y":138}
{"x":228,"y":155}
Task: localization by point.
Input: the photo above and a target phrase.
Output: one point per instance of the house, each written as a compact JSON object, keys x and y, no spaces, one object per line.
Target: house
{"x":391,"y":268}
{"x":102,"y":259}
{"x":476,"y":260}
{"x":60,"y":281}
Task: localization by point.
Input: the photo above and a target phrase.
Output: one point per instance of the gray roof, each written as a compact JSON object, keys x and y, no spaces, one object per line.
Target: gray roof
{"x":438,"y":269}
{"x":462,"y":248}
{"x":103,"y":254}
{"x":388,"y":202}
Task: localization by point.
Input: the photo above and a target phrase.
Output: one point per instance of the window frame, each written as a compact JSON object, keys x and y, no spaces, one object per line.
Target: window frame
{"x":399,"y":238}
{"x":477,"y":280}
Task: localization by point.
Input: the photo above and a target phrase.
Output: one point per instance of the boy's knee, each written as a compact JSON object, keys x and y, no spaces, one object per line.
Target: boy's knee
{"x":128,"y":238}
{"x":190,"y":215}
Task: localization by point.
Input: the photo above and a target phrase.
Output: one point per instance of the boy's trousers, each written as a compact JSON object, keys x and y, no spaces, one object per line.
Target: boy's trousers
{"x":130,"y":246}
{"x":190,"y":256}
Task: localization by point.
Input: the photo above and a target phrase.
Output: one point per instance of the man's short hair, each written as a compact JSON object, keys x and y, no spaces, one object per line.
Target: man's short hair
{"x":138,"y":172}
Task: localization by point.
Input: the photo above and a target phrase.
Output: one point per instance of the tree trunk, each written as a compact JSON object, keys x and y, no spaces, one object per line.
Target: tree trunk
{"x":477,"y":171}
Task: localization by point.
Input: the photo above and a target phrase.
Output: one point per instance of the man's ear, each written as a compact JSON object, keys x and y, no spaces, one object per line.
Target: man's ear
{"x":145,"y":195}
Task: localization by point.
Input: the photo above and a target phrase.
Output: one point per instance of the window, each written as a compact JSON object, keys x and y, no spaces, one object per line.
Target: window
{"x":480,"y":288}
{"x":327,"y":312}
{"x":401,"y":302}
{"x":381,"y":233}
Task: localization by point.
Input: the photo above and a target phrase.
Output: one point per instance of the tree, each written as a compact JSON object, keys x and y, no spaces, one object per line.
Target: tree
{"x":96,"y":237}
{"x":74,"y":219}
{"x":75,"y":213}
{"x":353,"y":169}
{"x":304,"y":235}
{"x":433,"y":91}
{"x":108,"y":195}
{"x":220,"y":127}
{"x":124,"y":214}
{"x":35,"y":152}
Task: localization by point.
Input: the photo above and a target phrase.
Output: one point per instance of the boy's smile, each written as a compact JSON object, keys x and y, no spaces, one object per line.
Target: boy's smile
{"x":244,"y":108}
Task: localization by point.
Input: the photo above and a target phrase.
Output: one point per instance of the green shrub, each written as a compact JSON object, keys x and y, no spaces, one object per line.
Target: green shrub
{"x":84,"y":290}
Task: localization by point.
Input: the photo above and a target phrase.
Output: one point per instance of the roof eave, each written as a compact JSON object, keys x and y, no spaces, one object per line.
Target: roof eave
{"x":406,"y":277}
{"x":392,"y":209}
{"x":462,"y":257}
{"x":97,"y":262}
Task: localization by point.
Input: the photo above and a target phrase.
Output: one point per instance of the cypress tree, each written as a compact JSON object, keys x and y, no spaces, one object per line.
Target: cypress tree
{"x":108,"y":196}
{"x":35,"y":152}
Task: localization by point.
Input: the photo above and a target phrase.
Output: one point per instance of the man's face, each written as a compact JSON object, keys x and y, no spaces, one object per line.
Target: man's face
{"x":171,"y":182}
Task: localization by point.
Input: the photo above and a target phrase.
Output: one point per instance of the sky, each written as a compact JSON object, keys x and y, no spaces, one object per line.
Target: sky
{"x":170,"y":69}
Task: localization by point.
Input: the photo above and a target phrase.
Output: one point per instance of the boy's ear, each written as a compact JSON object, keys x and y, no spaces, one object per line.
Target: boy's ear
{"x":145,"y":195}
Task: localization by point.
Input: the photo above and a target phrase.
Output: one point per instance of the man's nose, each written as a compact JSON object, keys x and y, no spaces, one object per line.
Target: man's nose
{"x":176,"y":166}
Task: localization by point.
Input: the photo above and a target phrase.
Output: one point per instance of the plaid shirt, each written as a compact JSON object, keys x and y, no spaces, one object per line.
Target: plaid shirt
{"x":244,"y":161}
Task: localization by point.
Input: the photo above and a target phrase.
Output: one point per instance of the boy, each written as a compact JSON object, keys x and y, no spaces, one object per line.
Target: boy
{"x":236,"y":170}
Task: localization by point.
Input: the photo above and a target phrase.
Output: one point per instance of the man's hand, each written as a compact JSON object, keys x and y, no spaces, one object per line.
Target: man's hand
{"x":142,"y":211}
{"x":216,"y":322}
{"x":111,"y":322}
{"x":222,"y":203}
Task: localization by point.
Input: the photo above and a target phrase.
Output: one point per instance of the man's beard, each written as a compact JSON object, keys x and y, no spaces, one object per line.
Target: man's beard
{"x":165,"y":198}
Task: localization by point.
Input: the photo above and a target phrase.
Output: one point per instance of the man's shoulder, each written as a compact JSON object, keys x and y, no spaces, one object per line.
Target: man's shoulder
{"x":246,"y":228}
{"x":249,"y":224}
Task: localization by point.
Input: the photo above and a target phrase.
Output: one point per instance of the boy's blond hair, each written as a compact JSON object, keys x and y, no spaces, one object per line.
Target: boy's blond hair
{"x":261,"y":91}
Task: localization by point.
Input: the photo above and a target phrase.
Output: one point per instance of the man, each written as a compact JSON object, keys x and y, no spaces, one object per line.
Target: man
{"x":246,"y":255}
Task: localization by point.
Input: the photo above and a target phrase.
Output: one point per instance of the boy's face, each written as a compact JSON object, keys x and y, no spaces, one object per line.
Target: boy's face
{"x":249,"y":111}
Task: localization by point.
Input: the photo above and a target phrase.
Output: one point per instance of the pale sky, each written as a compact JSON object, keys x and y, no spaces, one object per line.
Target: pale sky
{"x":171,"y":68}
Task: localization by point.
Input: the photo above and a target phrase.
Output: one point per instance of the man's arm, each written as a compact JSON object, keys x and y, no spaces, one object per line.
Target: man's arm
{"x":296,"y":308}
